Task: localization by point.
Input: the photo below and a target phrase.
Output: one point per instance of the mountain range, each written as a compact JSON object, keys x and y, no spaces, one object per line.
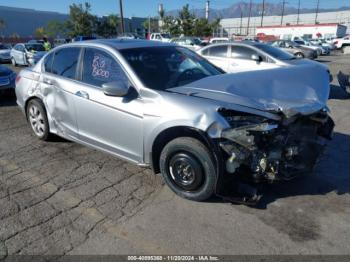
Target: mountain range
{"x":235,"y":10}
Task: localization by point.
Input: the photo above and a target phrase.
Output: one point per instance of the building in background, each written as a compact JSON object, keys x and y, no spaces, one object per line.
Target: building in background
{"x":289,"y":32}
{"x":233,"y":26}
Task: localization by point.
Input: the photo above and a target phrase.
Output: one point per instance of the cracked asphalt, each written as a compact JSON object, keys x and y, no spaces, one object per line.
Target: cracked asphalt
{"x":61,"y":198}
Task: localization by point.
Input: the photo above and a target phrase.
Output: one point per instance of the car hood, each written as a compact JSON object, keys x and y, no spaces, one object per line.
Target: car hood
{"x":300,"y":90}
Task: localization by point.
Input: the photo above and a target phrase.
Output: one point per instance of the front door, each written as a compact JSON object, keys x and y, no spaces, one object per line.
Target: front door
{"x":218,"y":56}
{"x":241,"y":60}
{"x":113,"y":124}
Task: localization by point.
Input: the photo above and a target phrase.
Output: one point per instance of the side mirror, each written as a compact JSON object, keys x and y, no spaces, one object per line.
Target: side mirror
{"x":118,"y":89}
{"x":257,"y":58}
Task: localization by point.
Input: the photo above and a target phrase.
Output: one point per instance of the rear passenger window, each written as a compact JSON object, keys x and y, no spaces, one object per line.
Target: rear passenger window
{"x":48,"y":63}
{"x":100,"y":68}
{"x":218,"y":51}
{"x":65,"y":62}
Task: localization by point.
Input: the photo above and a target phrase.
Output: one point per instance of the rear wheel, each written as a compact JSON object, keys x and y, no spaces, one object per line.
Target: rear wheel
{"x":299,"y":55}
{"x":188,"y":168}
{"x":13,"y":61}
{"x":36,"y":115}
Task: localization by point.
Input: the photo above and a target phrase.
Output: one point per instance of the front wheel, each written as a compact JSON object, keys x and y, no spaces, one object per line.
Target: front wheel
{"x":188,"y":168}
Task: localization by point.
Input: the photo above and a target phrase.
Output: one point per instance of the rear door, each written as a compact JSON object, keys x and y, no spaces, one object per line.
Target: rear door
{"x":113,"y":124}
{"x":59,"y":86}
{"x":218,"y":55}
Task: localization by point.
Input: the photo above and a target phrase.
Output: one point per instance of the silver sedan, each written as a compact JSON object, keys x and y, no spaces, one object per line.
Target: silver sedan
{"x":163,"y":106}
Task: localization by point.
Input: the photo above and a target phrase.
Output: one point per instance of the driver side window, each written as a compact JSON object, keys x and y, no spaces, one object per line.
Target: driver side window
{"x":100,"y":68}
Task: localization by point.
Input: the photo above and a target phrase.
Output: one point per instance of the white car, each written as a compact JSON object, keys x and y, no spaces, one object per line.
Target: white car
{"x":192,"y":43}
{"x":161,"y":37}
{"x":218,"y":40}
{"x":341,"y":42}
{"x":27,"y":54}
{"x":237,"y":57}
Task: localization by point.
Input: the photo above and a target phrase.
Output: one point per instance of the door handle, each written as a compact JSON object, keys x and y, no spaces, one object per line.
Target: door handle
{"x":48,"y":81}
{"x":82,"y":94}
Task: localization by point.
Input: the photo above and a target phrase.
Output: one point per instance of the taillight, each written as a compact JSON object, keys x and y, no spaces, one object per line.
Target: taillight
{"x":18,"y":78}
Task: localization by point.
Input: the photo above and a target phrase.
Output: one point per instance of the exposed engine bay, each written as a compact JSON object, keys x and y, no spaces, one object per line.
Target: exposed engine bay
{"x":274,"y":150}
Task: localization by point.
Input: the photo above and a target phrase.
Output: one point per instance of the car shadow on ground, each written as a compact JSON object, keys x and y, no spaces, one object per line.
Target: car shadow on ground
{"x":330,"y":175}
{"x":8,"y":99}
{"x":338,"y":93}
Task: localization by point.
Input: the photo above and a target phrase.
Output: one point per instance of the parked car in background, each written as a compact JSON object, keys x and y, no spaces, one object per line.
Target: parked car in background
{"x":129,"y":36}
{"x":163,"y":106}
{"x":7,"y":79}
{"x":342,"y":42}
{"x":192,"y":43}
{"x":244,"y":56}
{"x":319,"y":49}
{"x":5,"y":53}
{"x":324,"y":43}
{"x":217,"y":40}
{"x":35,"y":41}
{"x":83,"y":38}
{"x":161,"y":37}
{"x":27,"y":54}
{"x":295,"y":49}
{"x":60,"y":41}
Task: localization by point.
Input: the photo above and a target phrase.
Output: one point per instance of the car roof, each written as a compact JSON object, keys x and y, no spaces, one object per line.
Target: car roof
{"x":121,"y":44}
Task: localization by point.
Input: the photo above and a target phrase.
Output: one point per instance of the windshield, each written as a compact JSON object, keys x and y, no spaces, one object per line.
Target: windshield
{"x":35,"y":47}
{"x":161,"y":68}
{"x":275,"y":52}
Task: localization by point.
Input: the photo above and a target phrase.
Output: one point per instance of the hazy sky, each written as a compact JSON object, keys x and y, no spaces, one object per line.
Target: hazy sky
{"x":149,"y":7}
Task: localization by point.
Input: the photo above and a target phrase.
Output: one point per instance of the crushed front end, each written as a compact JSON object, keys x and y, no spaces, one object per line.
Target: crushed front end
{"x":267,"y":150}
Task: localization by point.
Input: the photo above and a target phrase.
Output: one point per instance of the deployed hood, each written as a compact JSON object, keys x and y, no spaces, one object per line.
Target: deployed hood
{"x":298,"y":90}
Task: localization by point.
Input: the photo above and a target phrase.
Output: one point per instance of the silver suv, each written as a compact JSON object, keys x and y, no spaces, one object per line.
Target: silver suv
{"x":163,"y":106}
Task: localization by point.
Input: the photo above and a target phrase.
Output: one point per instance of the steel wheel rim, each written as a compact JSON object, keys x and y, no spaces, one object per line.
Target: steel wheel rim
{"x":37,"y":120}
{"x":186,"y":171}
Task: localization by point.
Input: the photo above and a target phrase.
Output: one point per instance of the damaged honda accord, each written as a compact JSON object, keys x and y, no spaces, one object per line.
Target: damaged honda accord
{"x":163,"y":106}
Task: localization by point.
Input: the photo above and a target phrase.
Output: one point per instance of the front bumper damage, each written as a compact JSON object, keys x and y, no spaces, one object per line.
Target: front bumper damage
{"x":260,"y":150}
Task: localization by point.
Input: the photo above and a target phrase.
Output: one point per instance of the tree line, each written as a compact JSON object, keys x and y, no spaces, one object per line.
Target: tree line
{"x":82,"y":22}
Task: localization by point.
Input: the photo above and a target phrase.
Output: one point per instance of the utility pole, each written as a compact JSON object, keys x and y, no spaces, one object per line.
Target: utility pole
{"x":240,"y":27}
{"x":283,"y":4}
{"x":149,"y":26}
{"x":121,"y":16}
{"x":317,"y":10}
{"x":250,"y":14}
{"x":298,"y":13}
{"x":262,"y":13}
{"x":207,"y":10}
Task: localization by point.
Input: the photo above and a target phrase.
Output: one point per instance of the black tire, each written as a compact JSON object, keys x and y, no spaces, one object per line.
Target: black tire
{"x":300,"y":55}
{"x":44,"y":133}
{"x":198,"y":184}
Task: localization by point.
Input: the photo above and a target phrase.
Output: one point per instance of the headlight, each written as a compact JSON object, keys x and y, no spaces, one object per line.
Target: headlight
{"x":239,"y":119}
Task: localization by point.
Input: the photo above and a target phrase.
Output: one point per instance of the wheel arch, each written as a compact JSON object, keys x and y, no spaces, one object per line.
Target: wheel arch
{"x":172,"y":133}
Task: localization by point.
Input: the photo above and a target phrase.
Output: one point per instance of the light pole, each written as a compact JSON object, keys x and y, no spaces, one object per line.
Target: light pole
{"x":298,"y":12}
{"x":317,"y":9}
{"x":121,"y":16}
{"x":250,"y":14}
{"x":283,"y":4}
{"x":262,"y":13}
